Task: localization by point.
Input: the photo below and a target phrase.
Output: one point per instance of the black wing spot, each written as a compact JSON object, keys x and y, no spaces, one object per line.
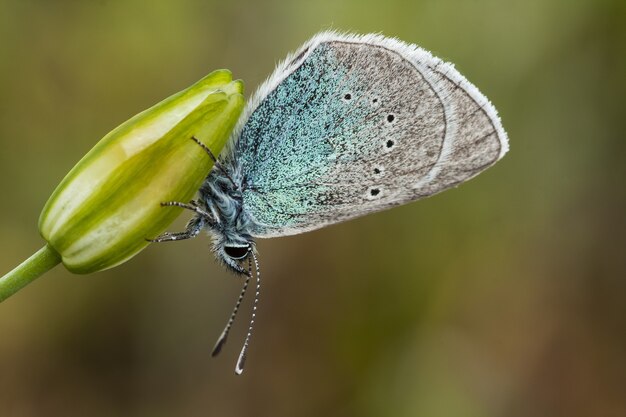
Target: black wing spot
{"x":391,"y":118}
{"x":348,"y":96}
{"x":376,"y":170}
{"x":374,"y":192}
{"x":375,"y":100}
{"x":390,"y":144}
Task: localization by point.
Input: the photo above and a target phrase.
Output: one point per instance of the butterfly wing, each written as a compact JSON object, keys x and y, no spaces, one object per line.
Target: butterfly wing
{"x":351,"y":125}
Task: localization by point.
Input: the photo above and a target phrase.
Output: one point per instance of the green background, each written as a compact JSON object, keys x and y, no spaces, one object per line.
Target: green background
{"x":504,"y":297}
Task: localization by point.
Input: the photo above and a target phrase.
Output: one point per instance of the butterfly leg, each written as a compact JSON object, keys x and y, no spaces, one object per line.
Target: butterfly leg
{"x":194,"y":226}
{"x":217,"y":163}
{"x":193,"y":206}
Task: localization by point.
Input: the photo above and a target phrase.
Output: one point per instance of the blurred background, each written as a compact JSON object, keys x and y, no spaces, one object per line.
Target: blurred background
{"x":504,"y":297}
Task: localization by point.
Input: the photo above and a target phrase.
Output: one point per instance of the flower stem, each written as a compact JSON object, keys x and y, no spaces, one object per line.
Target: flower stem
{"x":42,"y":261}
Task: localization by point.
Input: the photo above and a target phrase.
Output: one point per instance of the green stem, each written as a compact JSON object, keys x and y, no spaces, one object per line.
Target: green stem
{"x":44,"y":260}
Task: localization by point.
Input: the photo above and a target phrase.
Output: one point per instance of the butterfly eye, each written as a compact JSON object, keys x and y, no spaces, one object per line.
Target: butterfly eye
{"x":237,"y":252}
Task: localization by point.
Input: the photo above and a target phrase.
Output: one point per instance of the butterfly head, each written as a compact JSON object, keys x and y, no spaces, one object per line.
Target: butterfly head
{"x":232,"y":245}
{"x":232,"y":253}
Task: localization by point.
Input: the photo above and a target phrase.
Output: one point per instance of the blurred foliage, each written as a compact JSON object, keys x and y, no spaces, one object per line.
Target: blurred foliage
{"x":504,"y":297}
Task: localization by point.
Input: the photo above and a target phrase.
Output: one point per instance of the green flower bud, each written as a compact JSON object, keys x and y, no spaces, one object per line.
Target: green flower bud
{"x":109,"y":203}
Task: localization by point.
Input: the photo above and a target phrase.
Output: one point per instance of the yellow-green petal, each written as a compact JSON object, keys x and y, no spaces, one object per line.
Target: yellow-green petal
{"x":105,"y":208}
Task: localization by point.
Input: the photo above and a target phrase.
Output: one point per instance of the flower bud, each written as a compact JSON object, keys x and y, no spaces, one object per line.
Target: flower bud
{"x":109,"y":203}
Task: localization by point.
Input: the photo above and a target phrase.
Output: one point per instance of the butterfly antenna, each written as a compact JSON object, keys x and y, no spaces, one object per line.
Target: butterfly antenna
{"x":216,"y":163}
{"x":244,"y":350}
{"x":222,"y":339}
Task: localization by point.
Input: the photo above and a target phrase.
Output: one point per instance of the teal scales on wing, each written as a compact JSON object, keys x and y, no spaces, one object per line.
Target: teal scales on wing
{"x":356,"y":126}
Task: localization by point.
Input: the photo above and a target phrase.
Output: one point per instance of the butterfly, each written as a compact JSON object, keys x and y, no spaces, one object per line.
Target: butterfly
{"x":345,"y":126}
